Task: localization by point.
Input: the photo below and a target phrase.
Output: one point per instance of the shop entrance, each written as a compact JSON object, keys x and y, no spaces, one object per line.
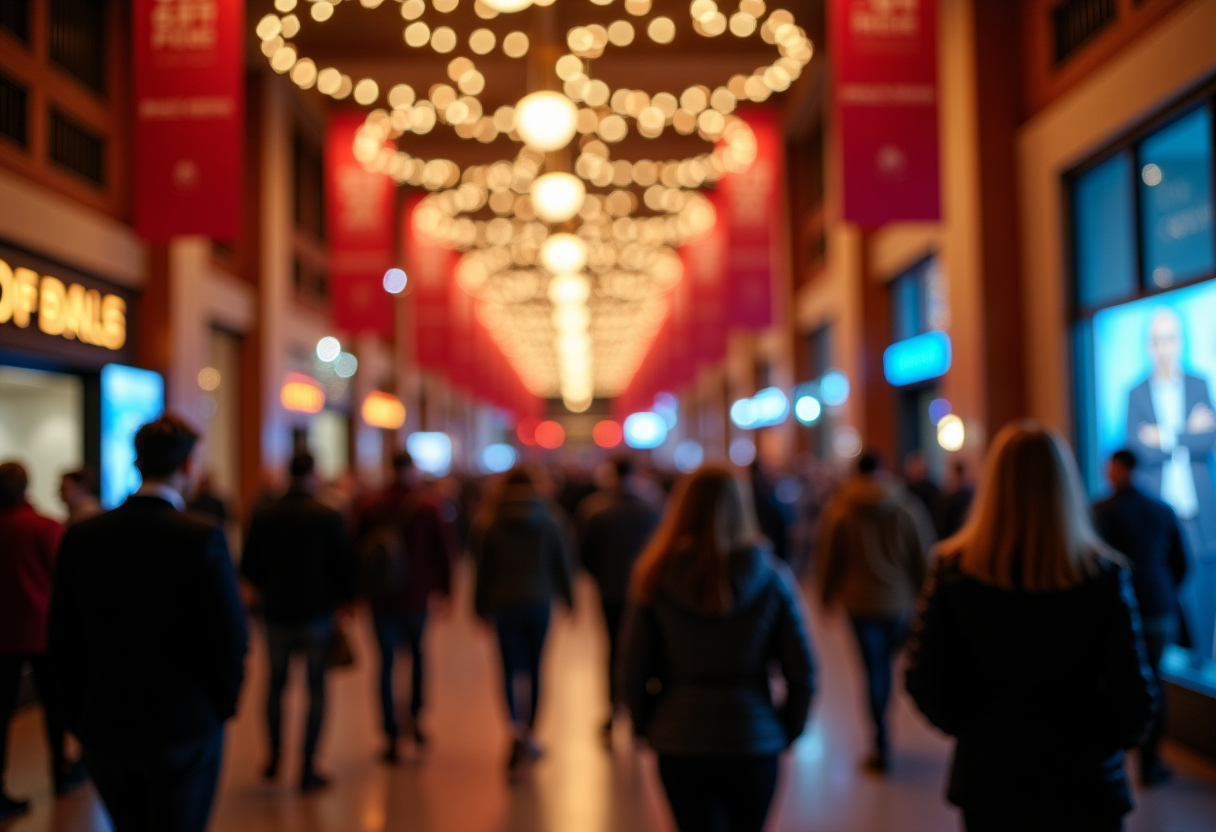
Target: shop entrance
{"x":42,"y":427}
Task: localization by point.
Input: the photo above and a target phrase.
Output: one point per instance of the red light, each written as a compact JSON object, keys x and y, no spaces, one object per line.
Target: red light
{"x":550,"y":435}
{"x":607,"y":434}
{"x":526,"y":430}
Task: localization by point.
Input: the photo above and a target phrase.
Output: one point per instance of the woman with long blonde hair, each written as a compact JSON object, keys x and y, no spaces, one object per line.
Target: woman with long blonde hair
{"x":710,"y":611}
{"x":1027,"y":650}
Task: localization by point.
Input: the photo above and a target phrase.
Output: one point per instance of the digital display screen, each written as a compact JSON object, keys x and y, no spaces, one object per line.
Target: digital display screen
{"x":130,"y":398}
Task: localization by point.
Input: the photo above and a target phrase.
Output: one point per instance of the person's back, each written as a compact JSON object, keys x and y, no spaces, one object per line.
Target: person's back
{"x":1145,"y":531}
{"x":614,"y":534}
{"x":521,"y":554}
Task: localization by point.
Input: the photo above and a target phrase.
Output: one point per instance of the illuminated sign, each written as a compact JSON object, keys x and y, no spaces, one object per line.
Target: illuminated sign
{"x":302,"y":394}
{"x":645,"y":430}
{"x":917,"y":359}
{"x":768,"y":407}
{"x":432,"y":452}
{"x":383,"y":410}
{"x":68,"y":310}
{"x":130,"y":398}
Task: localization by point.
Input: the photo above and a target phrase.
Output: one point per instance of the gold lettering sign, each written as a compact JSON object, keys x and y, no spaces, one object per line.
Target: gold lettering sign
{"x":69,"y":311}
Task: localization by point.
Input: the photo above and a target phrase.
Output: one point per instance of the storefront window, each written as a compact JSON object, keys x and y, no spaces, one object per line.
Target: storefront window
{"x":1104,"y":219}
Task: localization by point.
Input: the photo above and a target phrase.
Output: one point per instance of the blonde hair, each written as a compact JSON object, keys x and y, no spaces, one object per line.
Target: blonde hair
{"x":709,"y":518}
{"x":1030,"y":527}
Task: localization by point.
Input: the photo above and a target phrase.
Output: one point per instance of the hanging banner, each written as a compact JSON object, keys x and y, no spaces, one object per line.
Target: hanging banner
{"x":753,"y":220}
{"x":188,"y":71}
{"x":359,"y":217}
{"x":885,"y":69}
{"x":430,"y":268}
{"x":705,"y":273}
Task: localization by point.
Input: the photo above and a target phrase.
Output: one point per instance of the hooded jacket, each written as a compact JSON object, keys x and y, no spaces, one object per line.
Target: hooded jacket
{"x":697,"y":684}
{"x":522,"y":555}
{"x":873,"y":549}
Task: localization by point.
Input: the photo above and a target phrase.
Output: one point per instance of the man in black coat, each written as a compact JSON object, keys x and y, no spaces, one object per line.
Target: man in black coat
{"x":1147,"y":533}
{"x":147,"y":639}
{"x":298,"y":557}
{"x":615,"y":527}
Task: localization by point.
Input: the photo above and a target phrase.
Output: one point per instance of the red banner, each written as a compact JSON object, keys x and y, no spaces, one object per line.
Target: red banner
{"x":189,"y":83}
{"x":359,"y":216}
{"x":705,"y":272}
{"x":753,"y":204}
{"x":885,"y":70}
{"x":430,"y":269}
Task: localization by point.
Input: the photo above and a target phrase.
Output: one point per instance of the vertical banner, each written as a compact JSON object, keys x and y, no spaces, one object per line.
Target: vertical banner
{"x":359,"y":217}
{"x":753,"y":220}
{"x":188,"y":70}
{"x":705,"y":272}
{"x":430,"y":269}
{"x":885,"y":69}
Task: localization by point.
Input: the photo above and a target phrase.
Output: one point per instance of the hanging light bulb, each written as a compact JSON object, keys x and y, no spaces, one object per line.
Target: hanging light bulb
{"x":569,"y":290}
{"x":563,"y":254}
{"x":507,"y":6}
{"x":546,"y":120}
{"x":558,"y":196}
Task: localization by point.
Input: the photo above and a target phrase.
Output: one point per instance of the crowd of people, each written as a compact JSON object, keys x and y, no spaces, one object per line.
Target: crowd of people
{"x":1033,"y":623}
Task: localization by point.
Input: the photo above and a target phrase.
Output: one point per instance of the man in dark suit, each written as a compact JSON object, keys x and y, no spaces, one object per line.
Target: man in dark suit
{"x":298,"y":557}
{"x":1146,"y":532}
{"x":147,"y":639}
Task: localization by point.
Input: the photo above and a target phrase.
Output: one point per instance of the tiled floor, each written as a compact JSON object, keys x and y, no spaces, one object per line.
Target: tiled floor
{"x":578,"y":787}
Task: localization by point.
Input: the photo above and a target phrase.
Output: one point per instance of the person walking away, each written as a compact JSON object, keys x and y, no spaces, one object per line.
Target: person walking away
{"x":27,"y":563}
{"x":297,"y":556}
{"x":770,"y":512}
{"x":956,"y":502}
{"x":921,"y":486}
{"x":711,"y":611}
{"x":1027,"y":650}
{"x":148,"y":640}
{"x":401,"y":523}
{"x":614,"y":532}
{"x":1146,"y":532}
{"x":871,"y":560}
{"x":522,"y":561}
{"x":208,"y":503}
{"x":78,"y":490}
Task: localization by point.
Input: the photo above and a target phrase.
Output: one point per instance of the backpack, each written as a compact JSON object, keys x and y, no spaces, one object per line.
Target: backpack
{"x":383,"y":565}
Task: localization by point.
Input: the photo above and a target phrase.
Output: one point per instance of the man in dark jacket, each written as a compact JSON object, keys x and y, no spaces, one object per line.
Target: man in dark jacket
{"x":298,"y":558}
{"x":147,"y":639}
{"x":921,"y":486}
{"x":27,"y":561}
{"x":872,"y":558}
{"x":1147,"y":533}
{"x":400,"y":614}
{"x":615,"y":527}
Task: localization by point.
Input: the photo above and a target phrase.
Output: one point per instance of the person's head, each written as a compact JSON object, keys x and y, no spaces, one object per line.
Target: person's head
{"x":708,"y":518}
{"x":303,"y":472}
{"x":403,"y":467}
{"x":916,"y":468}
{"x":1030,"y":527}
{"x":162,"y":451}
{"x":623,"y":466}
{"x":76,"y":486}
{"x":1120,"y":468}
{"x":519,"y":477}
{"x":13,"y":482}
{"x":1165,"y":342}
{"x":869,"y":464}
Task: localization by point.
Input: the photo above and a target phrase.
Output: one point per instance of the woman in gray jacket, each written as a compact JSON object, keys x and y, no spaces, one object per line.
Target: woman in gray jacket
{"x":712,"y":614}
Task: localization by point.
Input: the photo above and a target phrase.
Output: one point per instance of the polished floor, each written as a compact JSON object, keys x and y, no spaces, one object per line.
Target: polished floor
{"x":578,"y":786}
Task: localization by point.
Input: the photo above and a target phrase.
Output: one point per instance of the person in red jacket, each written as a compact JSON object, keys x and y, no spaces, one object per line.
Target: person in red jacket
{"x":27,"y":562}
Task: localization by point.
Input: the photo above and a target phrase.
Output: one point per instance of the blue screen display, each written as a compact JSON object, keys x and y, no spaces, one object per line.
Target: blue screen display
{"x":1104,"y":224}
{"x":917,"y":359}
{"x":130,"y":398}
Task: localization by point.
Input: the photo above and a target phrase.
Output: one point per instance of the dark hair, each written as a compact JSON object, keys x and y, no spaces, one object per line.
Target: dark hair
{"x":623,"y":466}
{"x":869,"y":463}
{"x":163,"y":445}
{"x":402,"y":461}
{"x":1125,"y":459}
{"x":13,"y":482}
{"x":84,"y":477}
{"x":302,"y":465}
{"x":520,"y":476}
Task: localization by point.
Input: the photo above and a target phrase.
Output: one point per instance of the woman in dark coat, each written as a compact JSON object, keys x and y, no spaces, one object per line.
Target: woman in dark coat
{"x":523,"y":563}
{"x":1027,"y":649}
{"x":710,"y":613}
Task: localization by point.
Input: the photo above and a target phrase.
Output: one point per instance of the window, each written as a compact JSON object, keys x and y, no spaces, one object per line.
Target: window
{"x":918,"y":302}
{"x":12,"y":111}
{"x":77,"y":148}
{"x":1105,"y":247}
{"x":1076,"y":21}
{"x":15,"y":19}
{"x":78,"y":40}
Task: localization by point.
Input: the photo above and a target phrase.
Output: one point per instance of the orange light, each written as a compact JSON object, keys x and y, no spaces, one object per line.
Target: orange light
{"x":302,"y":394}
{"x":550,"y":435}
{"x":383,"y":410}
{"x":607,"y":434}
{"x":526,"y":430}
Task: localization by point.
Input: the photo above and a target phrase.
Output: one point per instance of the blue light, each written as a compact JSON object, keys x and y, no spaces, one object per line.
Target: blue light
{"x":394,"y":281}
{"x":432,"y":452}
{"x":768,"y":407}
{"x":917,"y":359}
{"x":667,"y":406}
{"x":645,"y":430}
{"x":743,"y":414}
{"x":807,"y":409}
{"x":688,"y":456}
{"x":939,"y":409}
{"x":130,"y":398}
{"x":834,"y":388}
{"x":742,"y":452}
{"x":498,"y":457}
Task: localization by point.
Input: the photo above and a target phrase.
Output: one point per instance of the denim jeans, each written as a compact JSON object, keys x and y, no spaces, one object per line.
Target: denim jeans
{"x":719,"y":794}
{"x":879,"y":640}
{"x":392,"y":629}
{"x":521,"y":639}
{"x":313,"y":640}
